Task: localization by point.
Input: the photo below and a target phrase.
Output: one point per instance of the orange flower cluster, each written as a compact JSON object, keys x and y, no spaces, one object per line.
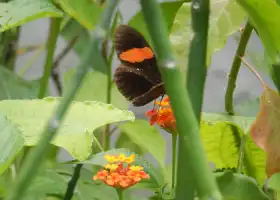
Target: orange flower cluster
{"x":119,"y":172}
{"x":163,"y":115}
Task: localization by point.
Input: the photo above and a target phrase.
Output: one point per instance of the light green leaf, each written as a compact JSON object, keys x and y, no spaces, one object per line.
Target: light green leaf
{"x":84,"y":11}
{"x":238,"y":187}
{"x":274,"y":183}
{"x":13,"y":87}
{"x":124,"y":142}
{"x":11,"y":142}
{"x":225,"y":18}
{"x":220,"y":141}
{"x":18,"y":12}
{"x":94,"y":88}
{"x":75,"y":134}
{"x":169,"y":10}
{"x":147,"y":137}
{"x":267,"y":26}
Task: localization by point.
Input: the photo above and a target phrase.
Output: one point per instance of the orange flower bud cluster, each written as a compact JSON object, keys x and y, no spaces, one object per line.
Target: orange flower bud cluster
{"x":163,"y":115}
{"x":119,"y":172}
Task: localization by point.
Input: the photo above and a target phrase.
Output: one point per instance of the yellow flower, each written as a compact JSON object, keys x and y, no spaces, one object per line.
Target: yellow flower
{"x":130,"y":159}
{"x":135,"y":168}
{"x":112,"y":167}
{"x":111,"y":159}
{"x":121,"y":157}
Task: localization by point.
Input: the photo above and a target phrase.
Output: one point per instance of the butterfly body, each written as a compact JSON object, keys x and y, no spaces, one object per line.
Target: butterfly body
{"x":138,"y":77}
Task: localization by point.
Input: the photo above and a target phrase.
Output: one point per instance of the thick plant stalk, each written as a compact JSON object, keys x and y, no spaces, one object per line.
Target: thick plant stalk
{"x":245,"y":36}
{"x":186,"y":121}
{"x":36,"y":156}
{"x":73,"y":182}
{"x":53,"y":35}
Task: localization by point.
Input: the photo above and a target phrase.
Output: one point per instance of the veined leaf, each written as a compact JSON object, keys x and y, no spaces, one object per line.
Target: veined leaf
{"x":225,"y":18}
{"x":11,"y":142}
{"x":84,"y":11}
{"x":94,"y":88}
{"x":75,"y":134}
{"x":265,"y":130}
{"x":220,"y":135}
{"x":18,"y":12}
{"x":267,"y":26}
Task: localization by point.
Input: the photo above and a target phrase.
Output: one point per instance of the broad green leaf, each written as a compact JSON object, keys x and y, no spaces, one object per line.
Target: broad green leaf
{"x":238,"y":187}
{"x":84,"y":11}
{"x":267,"y":26}
{"x":265,"y":130}
{"x":220,"y":138}
{"x":13,"y":87}
{"x":11,"y":142}
{"x":75,"y":134}
{"x":156,"y":175}
{"x":147,"y":137}
{"x":225,"y":18}
{"x":123,"y":141}
{"x":18,"y":12}
{"x":94,"y":88}
{"x":274,"y":183}
{"x":169,"y":10}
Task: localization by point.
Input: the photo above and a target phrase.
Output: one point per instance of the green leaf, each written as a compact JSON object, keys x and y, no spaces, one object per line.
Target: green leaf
{"x":169,"y":10}
{"x":274,"y":183}
{"x":75,"y":134}
{"x":225,"y":18}
{"x":71,"y":30}
{"x":18,"y":12}
{"x":238,"y":187}
{"x":94,"y":88}
{"x":147,"y":137}
{"x":11,"y":142}
{"x":13,"y":87}
{"x":220,"y":137}
{"x":123,"y":141}
{"x":267,"y":26}
{"x":85,"y":12}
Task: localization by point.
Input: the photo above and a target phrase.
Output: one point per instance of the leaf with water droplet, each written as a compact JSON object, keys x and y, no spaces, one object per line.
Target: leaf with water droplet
{"x":265,"y":129}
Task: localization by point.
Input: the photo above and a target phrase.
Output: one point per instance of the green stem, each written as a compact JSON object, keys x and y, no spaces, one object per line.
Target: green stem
{"x":53,"y":35}
{"x":174,"y":156}
{"x":245,"y":36}
{"x":186,"y":121}
{"x":73,"y":182}
{"x":37,"y":155}
{"x":120,"y":193}
{"x":241,"y":153}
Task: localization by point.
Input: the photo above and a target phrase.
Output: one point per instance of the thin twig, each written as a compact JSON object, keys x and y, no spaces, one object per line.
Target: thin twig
{"x":252,"y":69}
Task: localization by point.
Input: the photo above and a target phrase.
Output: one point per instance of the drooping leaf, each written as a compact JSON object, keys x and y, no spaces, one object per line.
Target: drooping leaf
{"x":225,"y":18}
{"x":169,"y":10}
{"x":11,"y":142}
{"x":265,"y":130}
{"x":85,"y":12}
{"x":75,"y":134}
{"x":147,"y":138}
{"x":267,"y":26}
{"x":238,"y":187}
{"x":13,"y":87}
{"x":220,"y":136}
{"x":18,"y":12}
{"x":94,"y":88}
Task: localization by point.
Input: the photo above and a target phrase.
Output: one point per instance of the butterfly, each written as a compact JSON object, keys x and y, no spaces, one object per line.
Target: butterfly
{"x":137,"y":77}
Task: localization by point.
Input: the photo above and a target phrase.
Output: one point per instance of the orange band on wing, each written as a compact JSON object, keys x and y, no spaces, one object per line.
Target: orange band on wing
{"x":137,"y":54}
